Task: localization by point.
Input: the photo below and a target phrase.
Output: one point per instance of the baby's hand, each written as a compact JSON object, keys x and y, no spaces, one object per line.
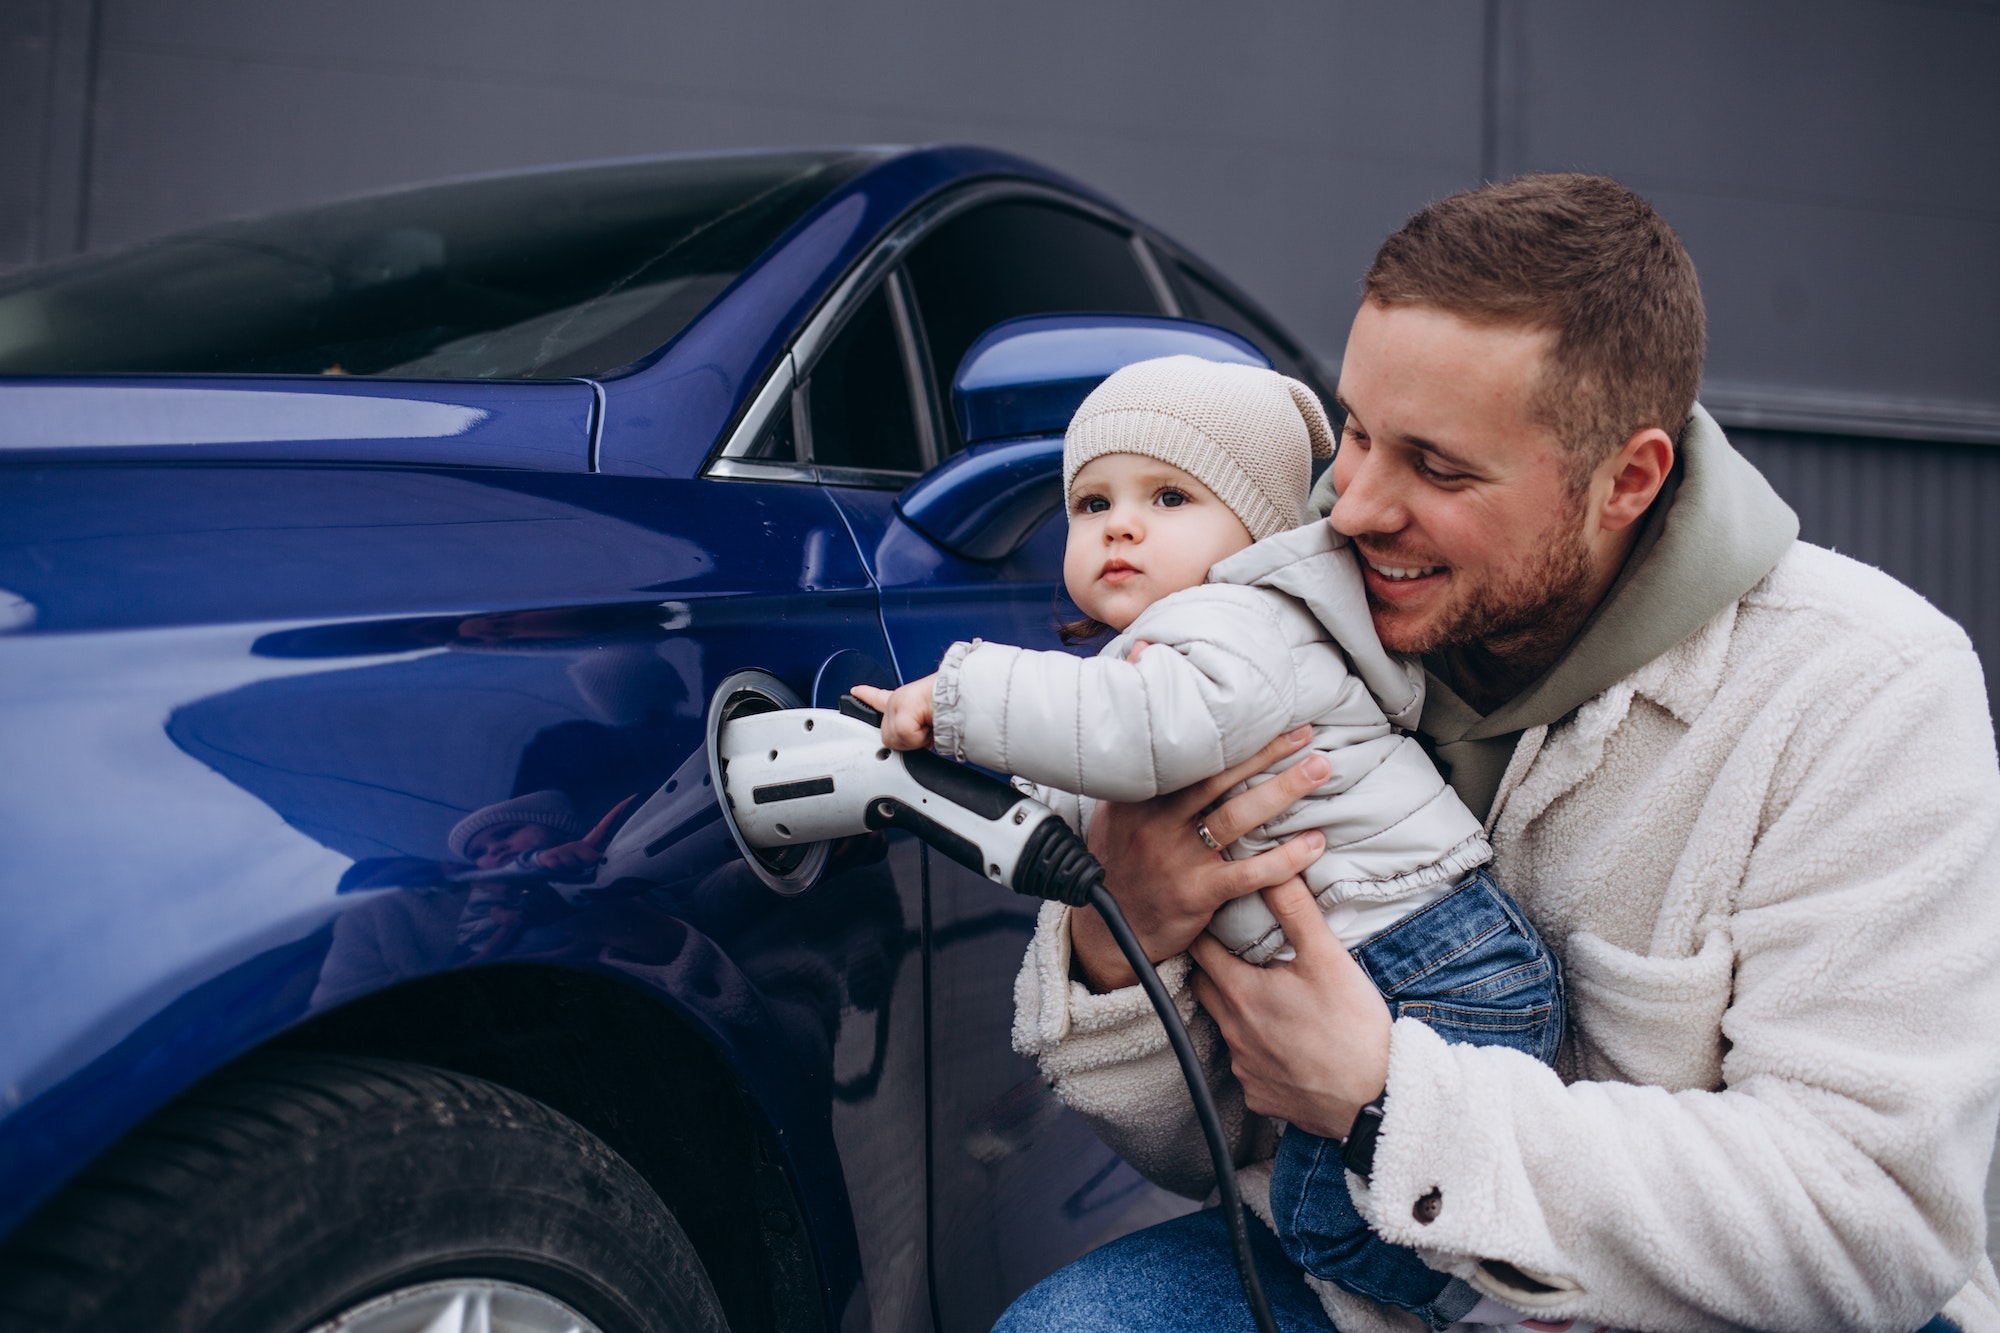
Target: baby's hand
{"x":906,"y":712}
{"x":586,"y":851}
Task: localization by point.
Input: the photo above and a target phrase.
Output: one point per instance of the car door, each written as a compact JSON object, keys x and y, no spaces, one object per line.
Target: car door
{"x":861,"y":406}
{"x":1018,"y":1185}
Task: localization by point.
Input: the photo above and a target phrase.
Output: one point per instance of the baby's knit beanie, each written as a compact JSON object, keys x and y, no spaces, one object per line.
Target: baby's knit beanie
{"x":1246,"y":433}
{"x":551,"y":809}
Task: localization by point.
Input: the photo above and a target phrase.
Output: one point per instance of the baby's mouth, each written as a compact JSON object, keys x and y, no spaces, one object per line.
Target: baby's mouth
{"x":1117,"y":571}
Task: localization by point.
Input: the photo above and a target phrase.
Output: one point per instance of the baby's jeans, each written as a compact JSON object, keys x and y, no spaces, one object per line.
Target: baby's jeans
{"x":1471,"y":967}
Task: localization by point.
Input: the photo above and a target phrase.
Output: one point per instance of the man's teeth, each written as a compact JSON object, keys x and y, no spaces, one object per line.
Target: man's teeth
{"x":1403,"y":572}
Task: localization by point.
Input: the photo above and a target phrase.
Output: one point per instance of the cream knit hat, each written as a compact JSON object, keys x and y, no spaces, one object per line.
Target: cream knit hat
{"x":551,"y":809}
{"x":1246,"y":433}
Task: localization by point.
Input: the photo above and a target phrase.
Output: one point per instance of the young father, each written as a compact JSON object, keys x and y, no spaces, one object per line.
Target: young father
{"x":1744,"y":787}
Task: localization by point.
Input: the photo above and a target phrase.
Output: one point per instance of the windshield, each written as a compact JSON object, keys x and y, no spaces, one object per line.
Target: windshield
{"x":537,"y":276}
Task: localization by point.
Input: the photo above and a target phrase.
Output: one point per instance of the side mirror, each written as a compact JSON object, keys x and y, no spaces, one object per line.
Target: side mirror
{"x":1014,"y":394}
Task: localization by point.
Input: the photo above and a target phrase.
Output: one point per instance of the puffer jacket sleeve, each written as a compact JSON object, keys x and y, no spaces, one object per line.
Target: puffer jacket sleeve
{"x":1836,"y":1177}
{"x":1107,"y":1058}
{"x":1216,"y":684}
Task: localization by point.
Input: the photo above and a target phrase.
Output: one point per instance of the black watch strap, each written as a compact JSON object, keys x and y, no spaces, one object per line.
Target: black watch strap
{"x":1357,"y":1154}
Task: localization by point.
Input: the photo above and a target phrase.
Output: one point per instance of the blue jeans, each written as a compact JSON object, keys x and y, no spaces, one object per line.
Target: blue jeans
{"x":1176,"y":1275}
{"x":1179,"y":1277}
{"x":1471,"y":967}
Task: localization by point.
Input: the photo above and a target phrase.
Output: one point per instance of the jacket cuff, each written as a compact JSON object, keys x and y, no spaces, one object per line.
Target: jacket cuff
{"x":1447,"y":1179}
{"x":1094,"y":1031}
{"x":947,"y":709}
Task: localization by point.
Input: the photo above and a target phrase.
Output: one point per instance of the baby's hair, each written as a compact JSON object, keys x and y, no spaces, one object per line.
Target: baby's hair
{"x":1081,"y":630}
{"x":1076,"y":630}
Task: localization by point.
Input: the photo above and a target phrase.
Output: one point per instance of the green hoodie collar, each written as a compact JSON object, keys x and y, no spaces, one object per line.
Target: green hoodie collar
{"x":1706,"y":542}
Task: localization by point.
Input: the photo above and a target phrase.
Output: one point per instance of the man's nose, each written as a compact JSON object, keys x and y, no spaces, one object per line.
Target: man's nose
{"x":1370,"y":500}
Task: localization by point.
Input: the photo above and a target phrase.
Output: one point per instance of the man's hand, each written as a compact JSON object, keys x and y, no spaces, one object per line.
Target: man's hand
{"x":1309,"y":1042}
{"x":906,"y":712}
{"x":1167,"y":880}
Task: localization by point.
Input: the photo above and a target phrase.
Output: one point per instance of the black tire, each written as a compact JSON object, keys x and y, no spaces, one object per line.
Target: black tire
{"x":298,"y":1187}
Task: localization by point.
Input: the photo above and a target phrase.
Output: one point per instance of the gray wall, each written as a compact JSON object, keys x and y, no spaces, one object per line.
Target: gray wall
{"x":1831,"y":163}
{"x":1834,"y":165}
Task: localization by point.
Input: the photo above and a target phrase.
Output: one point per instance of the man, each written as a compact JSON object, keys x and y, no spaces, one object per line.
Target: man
{"x":1744,"y":787}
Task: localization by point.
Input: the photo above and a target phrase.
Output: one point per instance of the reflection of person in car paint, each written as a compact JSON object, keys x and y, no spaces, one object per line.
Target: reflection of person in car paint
{"x":540,"y":831}
{"x":515,"y":846}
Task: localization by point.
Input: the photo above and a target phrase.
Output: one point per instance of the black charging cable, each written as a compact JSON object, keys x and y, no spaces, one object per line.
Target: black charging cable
{"x":1204,"y":1104}
{"x":1055,"y":864}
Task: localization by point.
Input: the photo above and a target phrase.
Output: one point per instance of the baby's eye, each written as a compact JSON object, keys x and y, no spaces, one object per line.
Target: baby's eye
{"x":1171,"y":498}
{"x":1092,"y":504}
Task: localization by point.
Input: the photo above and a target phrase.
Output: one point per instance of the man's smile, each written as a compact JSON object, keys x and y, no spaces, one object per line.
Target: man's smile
{"x":1403,"y":572}
{"x":1400,"y":579}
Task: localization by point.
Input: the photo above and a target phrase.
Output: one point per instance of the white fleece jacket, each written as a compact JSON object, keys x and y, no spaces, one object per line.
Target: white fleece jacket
{"x":1279,"y":635}
{"x":1767,"y":860}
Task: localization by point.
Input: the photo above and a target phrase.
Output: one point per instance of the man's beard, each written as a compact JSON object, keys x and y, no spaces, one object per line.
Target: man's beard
{"x":1526,"y":617}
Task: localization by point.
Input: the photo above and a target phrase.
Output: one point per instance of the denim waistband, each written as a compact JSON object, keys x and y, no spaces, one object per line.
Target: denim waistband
{"x":1435,"y":934}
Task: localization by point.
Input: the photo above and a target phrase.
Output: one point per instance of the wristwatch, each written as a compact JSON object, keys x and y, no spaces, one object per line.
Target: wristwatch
{"x":1357,"y":1154}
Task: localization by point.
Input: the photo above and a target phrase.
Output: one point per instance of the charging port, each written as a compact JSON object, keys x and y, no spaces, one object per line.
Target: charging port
{"x":788,"y":869}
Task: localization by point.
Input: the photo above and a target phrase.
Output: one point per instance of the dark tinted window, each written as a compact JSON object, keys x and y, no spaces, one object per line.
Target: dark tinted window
{"x":1011,"y":259}
{"x":859,"y":398}
{"x":779,"y":443}
{"x":536,"y":276}
{"x":1203,"y":300}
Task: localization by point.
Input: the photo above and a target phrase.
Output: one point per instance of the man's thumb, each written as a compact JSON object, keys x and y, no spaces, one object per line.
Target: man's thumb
{"x":1305,"y":925}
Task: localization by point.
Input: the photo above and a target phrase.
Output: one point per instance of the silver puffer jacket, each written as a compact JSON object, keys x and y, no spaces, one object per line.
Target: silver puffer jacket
{"x":1278,"y":636}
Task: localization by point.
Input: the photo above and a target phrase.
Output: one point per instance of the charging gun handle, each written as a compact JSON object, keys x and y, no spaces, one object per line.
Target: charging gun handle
{"x":1055,"y":864}
{"x":1051,"y":863}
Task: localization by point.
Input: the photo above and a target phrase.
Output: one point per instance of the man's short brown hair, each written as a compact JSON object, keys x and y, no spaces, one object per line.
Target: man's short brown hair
{"x":1584,"y":257}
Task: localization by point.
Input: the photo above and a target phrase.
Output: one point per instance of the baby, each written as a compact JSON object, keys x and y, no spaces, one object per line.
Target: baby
{"x":1185,"y":483}
{"x":528,"y":850}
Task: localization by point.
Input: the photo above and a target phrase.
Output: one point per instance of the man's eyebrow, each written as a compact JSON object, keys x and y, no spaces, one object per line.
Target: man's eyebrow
{"x":1419,"y":443}
{"x":1455,"y":461}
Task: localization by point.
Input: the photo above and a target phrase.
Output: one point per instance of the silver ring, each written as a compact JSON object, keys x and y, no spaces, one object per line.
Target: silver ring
{"x":1201,"y":831}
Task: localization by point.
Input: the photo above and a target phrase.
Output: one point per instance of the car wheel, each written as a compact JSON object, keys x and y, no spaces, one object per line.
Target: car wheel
{"x":344,"y":1195}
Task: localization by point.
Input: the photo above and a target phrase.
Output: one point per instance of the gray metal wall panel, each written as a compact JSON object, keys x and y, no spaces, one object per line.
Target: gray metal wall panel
{"x":1924,"y":513}
{"x":1829,"y":161}
{"x":1259,"y":136}
{"x":1830,"y":165}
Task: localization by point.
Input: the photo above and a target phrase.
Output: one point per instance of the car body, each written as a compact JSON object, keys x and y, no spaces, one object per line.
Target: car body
{"x":280,"y":608}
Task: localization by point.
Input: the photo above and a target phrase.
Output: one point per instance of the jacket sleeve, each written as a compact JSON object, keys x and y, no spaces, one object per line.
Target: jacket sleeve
{"x":1216,"y":684}
{"x":1835,"y":1179}
{"x":1108,"y":1060}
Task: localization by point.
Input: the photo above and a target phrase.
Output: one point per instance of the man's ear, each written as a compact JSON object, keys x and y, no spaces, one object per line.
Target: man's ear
{"x":1635,"y":472}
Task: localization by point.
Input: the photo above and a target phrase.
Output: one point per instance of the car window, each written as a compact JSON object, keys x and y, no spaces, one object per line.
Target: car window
{"x":536,"y":275}
{"x":858,"y":399}
{"x":1203,"y":300}
{"x":1016,"y":258}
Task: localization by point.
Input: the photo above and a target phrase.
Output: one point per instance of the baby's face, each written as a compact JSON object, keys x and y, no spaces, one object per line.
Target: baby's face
{"x":505,"y":843}
{"x":1138,"y":530}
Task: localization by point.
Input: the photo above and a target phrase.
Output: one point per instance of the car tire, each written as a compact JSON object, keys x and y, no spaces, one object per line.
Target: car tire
{"x":302,"y":1190}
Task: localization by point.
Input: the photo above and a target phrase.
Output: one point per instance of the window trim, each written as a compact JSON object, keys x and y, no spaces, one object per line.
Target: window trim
{"x":883,"y":264}
{"x":1322,"y":376}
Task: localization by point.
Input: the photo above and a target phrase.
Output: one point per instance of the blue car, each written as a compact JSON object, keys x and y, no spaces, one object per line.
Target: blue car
{"x":375,"y":952}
